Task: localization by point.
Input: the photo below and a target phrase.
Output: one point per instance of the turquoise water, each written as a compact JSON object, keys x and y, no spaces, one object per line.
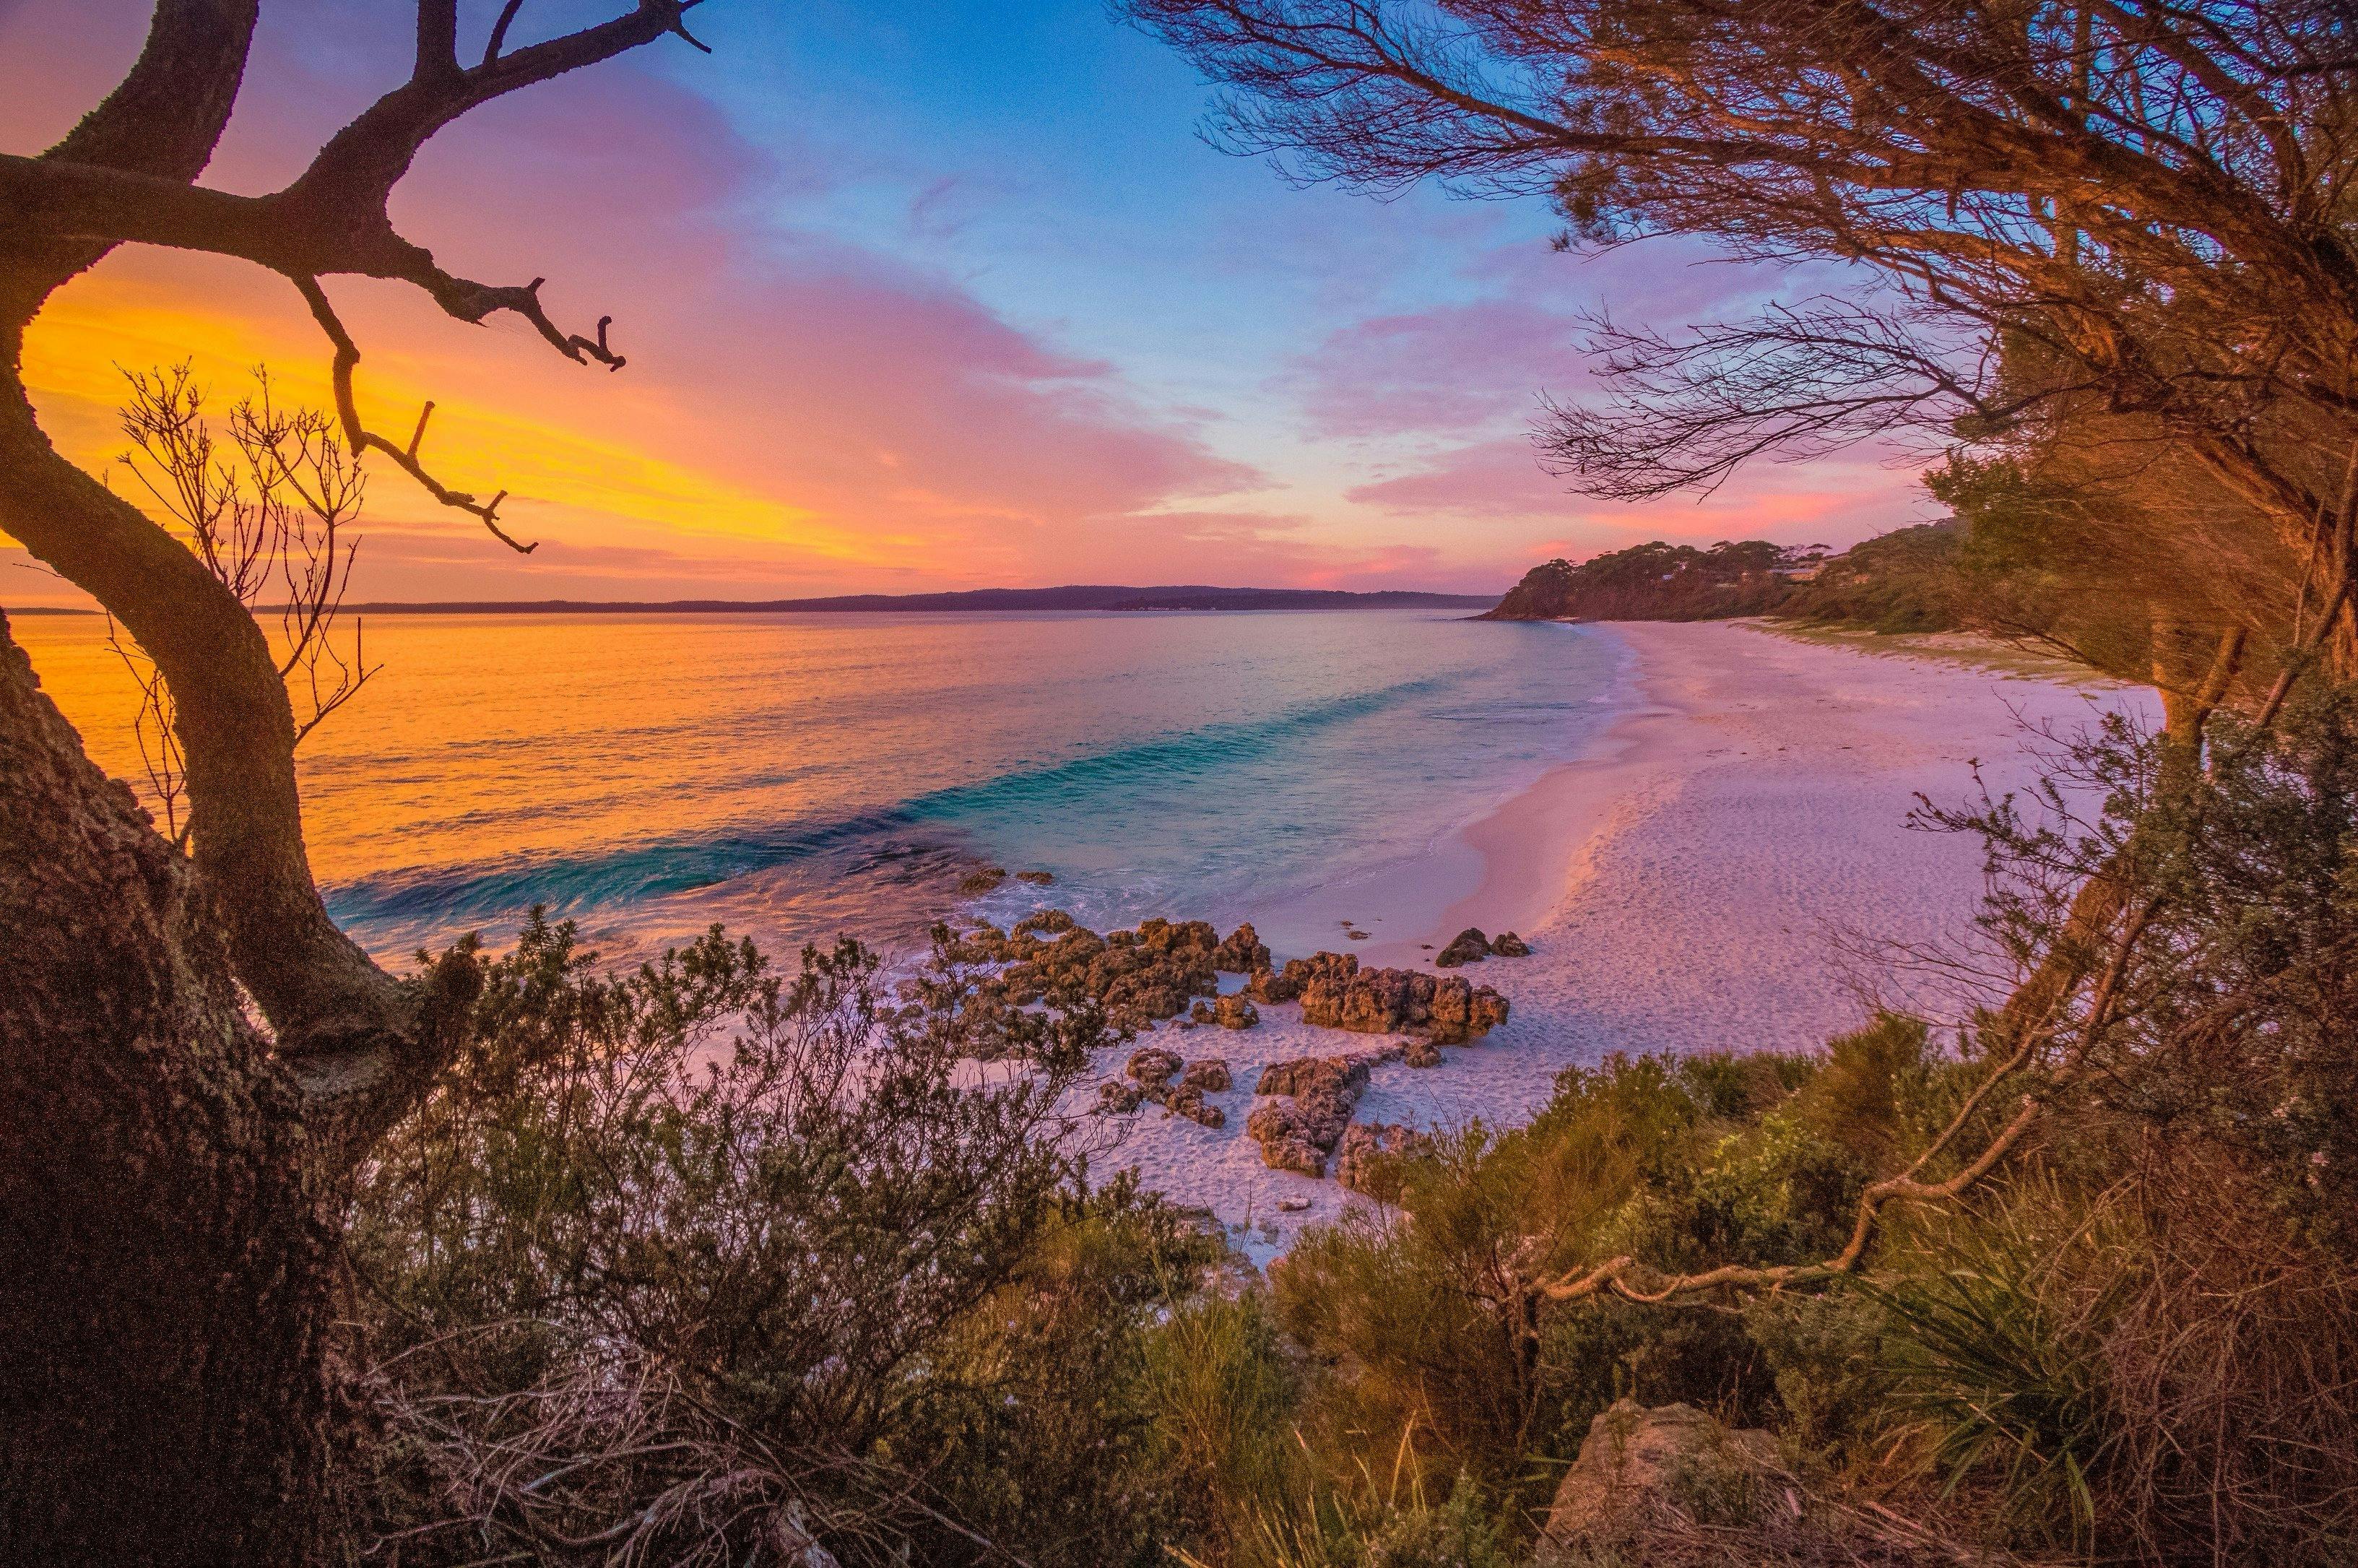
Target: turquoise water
{"x":797,"y":775}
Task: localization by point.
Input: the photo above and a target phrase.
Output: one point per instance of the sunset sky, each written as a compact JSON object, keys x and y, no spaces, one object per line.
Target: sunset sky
{"x":934,"y":295}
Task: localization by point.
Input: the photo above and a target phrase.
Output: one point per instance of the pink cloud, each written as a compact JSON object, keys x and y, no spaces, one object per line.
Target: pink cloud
{"x":912,"y":436}
{"x":880,"y":407}
{"x":1501,"y":481}
{"x":1499,"y":478}
{"x":1446,"y":369}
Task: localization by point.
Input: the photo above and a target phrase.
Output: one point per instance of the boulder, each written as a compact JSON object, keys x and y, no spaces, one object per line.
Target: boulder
{"x":1423,"y":1053}
{"x":1639,"y":1466}
{"x":1506,"y":944}
{"x":1447,"y":1008}
{"x":1153,"y":1066}
{"x":1139,"y":977}
{"x":983,"y":880}
{"x":1118,"y":1098}
{"x":1182,"y":1100}
{"x":1369,"y":1002}
{"x":1234,"y":1012}
{"x":1200,"y":1013}
{"x":1282,"y":1132}
{"x":1180,"y":936}
{"x":1242,"y":953}
{"x":1037,"y":878}
{"x":1209,"y":1076}
{"x":1288,"y":983}
{"x":1461,"y":1011}
{"x":1303,"y":1073}
{"x":1312,"y":1098}
{"x":1468,"y":947}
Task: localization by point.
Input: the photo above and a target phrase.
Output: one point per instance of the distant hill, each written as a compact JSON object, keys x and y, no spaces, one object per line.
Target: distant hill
{"x":1657,"y":582}
{"x":1906,"y":580}
{"x":1079,"y":597}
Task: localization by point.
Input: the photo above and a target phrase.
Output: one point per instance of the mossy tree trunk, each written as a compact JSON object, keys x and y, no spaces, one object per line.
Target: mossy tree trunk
{"x":167,"y":1249}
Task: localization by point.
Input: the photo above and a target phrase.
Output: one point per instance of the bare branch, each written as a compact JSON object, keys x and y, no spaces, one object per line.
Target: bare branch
{"x":361,"y":438}
{"x":1799,"y":382}
{"x":1632,"y":1281}
{"x":282,"y":516}
{"x":500,"y":31}
{"x":2117,"y":185}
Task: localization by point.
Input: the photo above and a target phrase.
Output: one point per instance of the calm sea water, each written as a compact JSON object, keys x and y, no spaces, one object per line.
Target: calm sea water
{"x":797,"y":776}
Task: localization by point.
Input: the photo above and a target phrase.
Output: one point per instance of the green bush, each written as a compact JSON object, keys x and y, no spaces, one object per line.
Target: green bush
{"x":1995,"y":1351}
{"x":1226,"y":1394}
{"x":710,"y":1255}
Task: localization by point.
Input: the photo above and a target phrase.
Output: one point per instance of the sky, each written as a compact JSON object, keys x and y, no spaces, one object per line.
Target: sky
{"x":932,"y":295}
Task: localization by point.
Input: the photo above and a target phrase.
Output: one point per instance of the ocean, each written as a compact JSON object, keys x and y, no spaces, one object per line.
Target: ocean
{"x":794,"y":776}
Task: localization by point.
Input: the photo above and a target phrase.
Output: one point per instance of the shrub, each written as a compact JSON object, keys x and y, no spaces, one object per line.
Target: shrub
{"x":1226,"y":1395}
{"x":740,"y":1257}
{"x":1995,"y":1348}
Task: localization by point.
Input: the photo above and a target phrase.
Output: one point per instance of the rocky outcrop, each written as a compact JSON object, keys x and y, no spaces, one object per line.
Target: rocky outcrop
{"x":1037,"y":878}
{"x":1242,"y":952}
{"x":1054,"y":922}
{"x":1209,"y":1076}
{"x":1446,"y":1009}
{"x":1299,"y":1074}
{"x":1283,"y":1146}
{"x":1169,"y":969}
{"x":1151,"y":1073}
{"x":1368,"y":1157}
{"x":1639,"y":1468}
{"x":1227,"y":1012}
{"x":1136,"y":975}
{"x":1315,"y":1098}
{"x":1180,"y":1099}
{"x":1287,"y":984}
{"x":1468,"y":947}
{"x":1337,"y":993}
{"x":1423,"y":1053}
{"x":1153,"y":1066}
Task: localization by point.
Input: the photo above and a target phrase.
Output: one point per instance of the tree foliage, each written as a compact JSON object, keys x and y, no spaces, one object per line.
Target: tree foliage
{"x":1656,"y":581}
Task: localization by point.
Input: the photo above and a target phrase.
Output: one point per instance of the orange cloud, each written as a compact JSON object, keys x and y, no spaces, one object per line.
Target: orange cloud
{"x":796,"y":415}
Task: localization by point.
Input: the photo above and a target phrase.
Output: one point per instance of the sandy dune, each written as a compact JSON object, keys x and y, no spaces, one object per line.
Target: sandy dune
{"x":1684,"y":887}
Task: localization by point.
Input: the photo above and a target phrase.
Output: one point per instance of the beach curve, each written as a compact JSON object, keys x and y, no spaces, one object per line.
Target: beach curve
{"x":1685,"y":884}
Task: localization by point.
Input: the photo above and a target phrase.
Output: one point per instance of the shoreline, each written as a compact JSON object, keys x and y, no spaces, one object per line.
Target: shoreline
{"x":1699,"y":877}
{"x":1538,"y":846}
{"x":1490,"y":870}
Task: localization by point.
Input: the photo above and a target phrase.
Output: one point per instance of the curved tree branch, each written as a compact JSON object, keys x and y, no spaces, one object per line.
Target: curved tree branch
{"x":1626,"y":1277}
{"x":362,"y":1045}
{"x":361,"y":438}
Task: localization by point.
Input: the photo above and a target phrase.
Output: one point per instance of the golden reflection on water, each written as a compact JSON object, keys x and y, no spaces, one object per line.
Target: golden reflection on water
{"x":799,"y":775}
{"x":490,"y":736}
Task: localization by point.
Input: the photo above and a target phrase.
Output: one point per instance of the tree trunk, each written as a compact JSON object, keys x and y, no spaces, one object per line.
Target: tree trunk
{"x":168,"y":1257}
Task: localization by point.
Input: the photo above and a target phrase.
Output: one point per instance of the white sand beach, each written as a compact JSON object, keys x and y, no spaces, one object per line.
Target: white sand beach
{"x":1683,"y":886}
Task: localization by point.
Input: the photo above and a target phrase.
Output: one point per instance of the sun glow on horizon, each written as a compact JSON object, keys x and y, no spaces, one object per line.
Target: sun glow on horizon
{"x":104,"y":325}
